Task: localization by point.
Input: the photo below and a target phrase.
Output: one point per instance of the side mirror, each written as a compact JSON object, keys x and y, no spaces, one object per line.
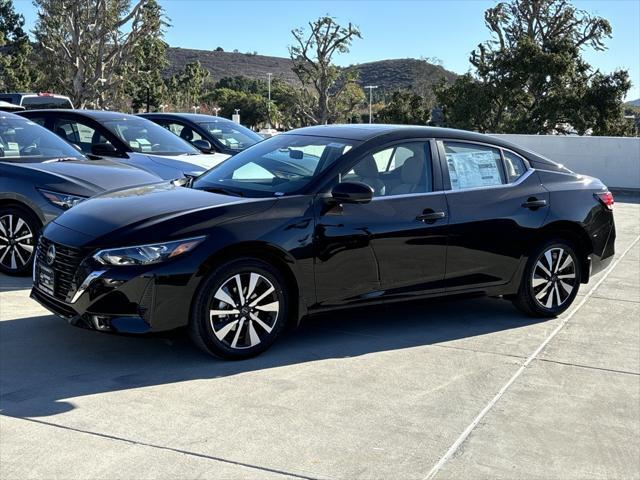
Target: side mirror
{"x":104,"y":150}
{"x":202,"y":145}
{"x":352,"y":192}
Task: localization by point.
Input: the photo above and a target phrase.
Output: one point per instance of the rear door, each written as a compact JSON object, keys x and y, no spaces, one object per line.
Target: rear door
{"x":496,"y":202}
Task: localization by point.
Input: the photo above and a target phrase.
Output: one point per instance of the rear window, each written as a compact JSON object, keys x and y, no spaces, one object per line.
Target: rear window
{"x":39,"y":102}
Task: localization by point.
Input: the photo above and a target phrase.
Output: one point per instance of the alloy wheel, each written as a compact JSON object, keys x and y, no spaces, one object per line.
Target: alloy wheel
{"x":244,"y":310}
{"x":16,"y":242}
{"x":554,"y":278}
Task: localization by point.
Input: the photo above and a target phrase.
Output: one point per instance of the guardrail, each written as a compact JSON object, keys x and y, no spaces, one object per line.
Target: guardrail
{"x":614,"y":160}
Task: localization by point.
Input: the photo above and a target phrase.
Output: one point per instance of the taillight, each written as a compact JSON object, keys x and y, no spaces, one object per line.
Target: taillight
{"x":605,"y":198}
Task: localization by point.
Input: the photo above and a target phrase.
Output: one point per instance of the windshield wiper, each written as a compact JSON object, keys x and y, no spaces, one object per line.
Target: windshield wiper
{"x":62,"y":159}
{"x":224,"y":191}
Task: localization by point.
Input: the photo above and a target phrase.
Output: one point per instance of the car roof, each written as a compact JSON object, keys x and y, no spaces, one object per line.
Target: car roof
{"x":94,"y":114}
{"x":193,"y":117}
{"x":366,"y":132}
{"x":11,"y":116}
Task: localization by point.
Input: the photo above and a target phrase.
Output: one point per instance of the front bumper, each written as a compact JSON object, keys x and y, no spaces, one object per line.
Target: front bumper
{"x":123,"y":299}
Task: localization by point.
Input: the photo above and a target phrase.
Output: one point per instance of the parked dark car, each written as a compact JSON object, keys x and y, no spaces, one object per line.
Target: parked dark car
{"x":127,"y":139}
{"x":35,"y":101}
{"x":206,"y":132}
{"x":41,"y":176}
{"x":323,"y":218}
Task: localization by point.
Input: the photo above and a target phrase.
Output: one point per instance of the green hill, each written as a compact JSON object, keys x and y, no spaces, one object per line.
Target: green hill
{"x":387,"y":74}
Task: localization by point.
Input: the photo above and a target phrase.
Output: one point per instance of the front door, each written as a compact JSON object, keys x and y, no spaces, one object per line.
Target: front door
{"x":393,"y":246}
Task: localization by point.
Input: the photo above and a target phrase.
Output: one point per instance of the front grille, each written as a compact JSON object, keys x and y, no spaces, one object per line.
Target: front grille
{"x":65,"y":266}
{"x":53,"y":305}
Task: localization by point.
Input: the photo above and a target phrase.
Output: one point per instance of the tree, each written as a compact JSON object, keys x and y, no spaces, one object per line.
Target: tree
{"x":242,"y":84}
{"x":324,"y":82}
{"x":191,"y":81}
{"x":143,"y":74}
{"x":16,"y":73}
{"x":406,"y":108}
{"x":90,"y":43}
{"x":530,"y":77}
{"x":252,"y":106}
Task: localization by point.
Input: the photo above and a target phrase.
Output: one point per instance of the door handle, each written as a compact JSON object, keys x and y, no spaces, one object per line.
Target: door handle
{"x":431,"y":217}
{"x":534,"y":203}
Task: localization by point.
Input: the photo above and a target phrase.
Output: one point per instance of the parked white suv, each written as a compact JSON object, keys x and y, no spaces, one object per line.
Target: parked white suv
{"x":36,"y":101}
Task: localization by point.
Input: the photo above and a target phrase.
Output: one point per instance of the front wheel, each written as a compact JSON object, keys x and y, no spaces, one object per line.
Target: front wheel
{"x":550,"y":281}
{"x":19,"y":229}
{"x":240,"y":309}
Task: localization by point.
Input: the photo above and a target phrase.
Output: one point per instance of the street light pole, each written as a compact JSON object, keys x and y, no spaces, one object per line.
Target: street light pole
{"x":371,"y":88}
{"x":269,"y":104}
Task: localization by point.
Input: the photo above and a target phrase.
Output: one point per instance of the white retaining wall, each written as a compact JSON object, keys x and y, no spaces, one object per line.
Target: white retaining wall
{"x":614,"y":160}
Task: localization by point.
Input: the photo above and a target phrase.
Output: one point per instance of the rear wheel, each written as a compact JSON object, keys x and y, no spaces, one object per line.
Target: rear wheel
{"x":240,"y":309}
{"x":551,"y":280}
{"x":19,"y":229}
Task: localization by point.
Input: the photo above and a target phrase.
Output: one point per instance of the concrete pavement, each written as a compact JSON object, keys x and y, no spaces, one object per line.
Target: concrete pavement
{"x":430,"y":389}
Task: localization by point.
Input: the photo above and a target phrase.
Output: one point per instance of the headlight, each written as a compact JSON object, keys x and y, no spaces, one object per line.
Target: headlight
{"x":62,"y":200}
{"x":147,"y":254}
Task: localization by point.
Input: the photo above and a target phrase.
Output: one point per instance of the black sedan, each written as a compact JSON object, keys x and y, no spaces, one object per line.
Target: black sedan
{"x":324,"y":218}
{"x":206,"y":132}
{"x":41,"y":176}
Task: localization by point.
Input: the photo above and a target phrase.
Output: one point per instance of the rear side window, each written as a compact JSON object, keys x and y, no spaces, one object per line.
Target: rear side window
{"x":473,"y":166}
{"x":514,"y":166}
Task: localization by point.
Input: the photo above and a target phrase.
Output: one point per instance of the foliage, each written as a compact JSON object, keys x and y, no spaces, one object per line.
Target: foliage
{"x":91,"y":44}
{"x":326,"y":85}
{"x":16,"y":73}
{"x":143,"y":75}
{"x":185,"y":89}
{"x":252,"y":106}
{"x":530,"y":76}
{"x":242,"y":84}
{"x":406,"y":108}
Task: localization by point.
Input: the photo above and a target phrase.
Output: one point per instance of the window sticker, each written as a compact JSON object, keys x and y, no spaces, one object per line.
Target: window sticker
{"x":145,"y":145}
{"x":473,"y":169}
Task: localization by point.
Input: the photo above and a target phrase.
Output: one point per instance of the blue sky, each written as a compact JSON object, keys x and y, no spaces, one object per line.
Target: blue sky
{"x":447,"y":30}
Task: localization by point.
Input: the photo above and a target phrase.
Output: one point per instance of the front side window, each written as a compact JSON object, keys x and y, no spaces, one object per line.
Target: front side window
{"x":147,"y":137}
{"x":397,"y":170}
{"x":473,"y":166}
{"x":22,"y":140}
{"x":231,"y":135}
{"x":183,"y":131}
{"x":78,"y":133}
{"x":281,"y":165}
{"x":514,"y":166}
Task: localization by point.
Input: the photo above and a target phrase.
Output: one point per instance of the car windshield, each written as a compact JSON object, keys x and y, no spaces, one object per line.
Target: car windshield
{"x":230,"y":134}
{"x":281,"y":165}
{"x":146,"y":137}
{"x":22,"y":140}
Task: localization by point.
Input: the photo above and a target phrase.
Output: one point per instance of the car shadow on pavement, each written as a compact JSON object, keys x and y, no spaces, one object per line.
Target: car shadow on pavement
{"x":44,"y":361}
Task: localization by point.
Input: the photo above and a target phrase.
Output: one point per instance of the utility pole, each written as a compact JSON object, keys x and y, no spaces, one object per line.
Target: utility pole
{"x":371,"y":88}
{"x":269,"y":104}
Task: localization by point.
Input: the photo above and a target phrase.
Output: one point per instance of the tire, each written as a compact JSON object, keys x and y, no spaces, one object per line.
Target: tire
{"x":253,"y":323}
{"x":19,"y":231}
{"x":551,"y":280}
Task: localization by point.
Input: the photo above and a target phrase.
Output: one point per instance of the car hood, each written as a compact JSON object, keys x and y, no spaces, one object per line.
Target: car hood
{"x":96,"y":176}
{"x":202,"y":162}
{"x":146,"y":213}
